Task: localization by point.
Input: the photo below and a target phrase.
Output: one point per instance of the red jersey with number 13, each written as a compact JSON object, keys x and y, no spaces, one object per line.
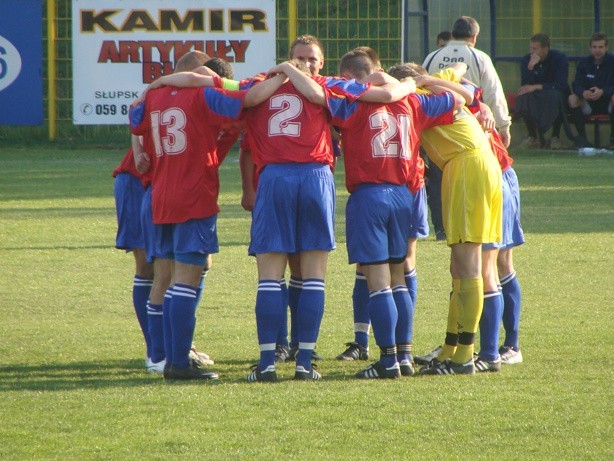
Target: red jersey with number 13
{"x":181,"y":127}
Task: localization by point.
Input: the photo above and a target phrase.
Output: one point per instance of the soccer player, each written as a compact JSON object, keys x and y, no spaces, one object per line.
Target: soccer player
{"x":497,"y":258}
{"x":359,"y":348}
{"x":182,"y":126}
{"x":130,"y":187}
{"x":309,"y":50}
{"x":504,"y":300}
{"x":293,"y":214}
{"x":160,"y":292}
{"x":128,"y":192}
{"x":503,"y":304}
{"x":380,"y":157}
{"x":593,"y":88}
{"x":471,"y":202}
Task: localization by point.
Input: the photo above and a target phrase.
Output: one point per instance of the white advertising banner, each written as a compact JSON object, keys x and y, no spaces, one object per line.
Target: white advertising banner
{"x":119,"y":46}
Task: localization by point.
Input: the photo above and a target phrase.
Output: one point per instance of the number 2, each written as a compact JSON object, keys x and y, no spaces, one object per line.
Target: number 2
{"x":290,"y":107}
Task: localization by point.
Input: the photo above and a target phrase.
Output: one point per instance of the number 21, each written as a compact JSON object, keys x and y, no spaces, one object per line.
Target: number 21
{"x":382,"y":144}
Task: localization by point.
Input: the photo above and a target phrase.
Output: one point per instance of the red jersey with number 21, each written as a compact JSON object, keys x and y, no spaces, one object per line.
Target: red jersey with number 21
{"x":381,"y":141}
{"x":181,"y":127}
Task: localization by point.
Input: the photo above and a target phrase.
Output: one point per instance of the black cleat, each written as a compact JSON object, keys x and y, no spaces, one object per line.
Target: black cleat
{"x":407,"y":368}
{"x":294,"y":350}
{"x":354,"y":351}
{"x":301,"y":374}
{"x":427,"y":358}
{"x":268,"y":375}
{"x":192,"y":372}
{"x":483,"y":365}
{"x":378,"y":371}
{"x":282,"y":352}
{"x":447,"y":367}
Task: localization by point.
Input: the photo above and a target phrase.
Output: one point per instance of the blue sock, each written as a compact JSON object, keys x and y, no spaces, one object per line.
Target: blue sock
{"x":182,"y":309}
{"x":404,"y":331}
{"x":269,"y":317}
{"x":166,"y":325}
{"x":282,"y":337}
{"x":384,"y":316}
{"x":489,"y":325}
{"x":140,"y":294}
{"x":155,"y":323}
{"x":512,"y":301}
{"x":411,"y":280}
{"x":360,"y":299}
{"x":294,"y":294}
{"x":310,"y":312}
{"x":201,"y":286}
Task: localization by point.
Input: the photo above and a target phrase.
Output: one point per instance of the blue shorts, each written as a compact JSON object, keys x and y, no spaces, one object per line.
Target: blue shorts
{"x":419,"y":215}
{"x":128,"y":192}
{"x":512,"y":230}
{"x":294,"y":209}
{"x":188,"y":242}
{"x":377,"y":223}
{"x":149,"y":234}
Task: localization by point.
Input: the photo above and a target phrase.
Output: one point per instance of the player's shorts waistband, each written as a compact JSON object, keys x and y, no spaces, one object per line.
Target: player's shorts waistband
{"x":294,"y":169}
{"x":381,"y":186}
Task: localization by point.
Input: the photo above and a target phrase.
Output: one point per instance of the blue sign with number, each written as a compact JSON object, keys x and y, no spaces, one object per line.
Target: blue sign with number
{"x":21,"y":62}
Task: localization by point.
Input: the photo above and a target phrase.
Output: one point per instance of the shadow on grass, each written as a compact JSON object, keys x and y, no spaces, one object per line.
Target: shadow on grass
{"x":58,"y":247}
{"x":131,"y":373}
{"x":75,"y":375}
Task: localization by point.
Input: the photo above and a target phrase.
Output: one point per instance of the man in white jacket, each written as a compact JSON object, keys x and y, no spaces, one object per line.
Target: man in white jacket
{"x":480,"y":70}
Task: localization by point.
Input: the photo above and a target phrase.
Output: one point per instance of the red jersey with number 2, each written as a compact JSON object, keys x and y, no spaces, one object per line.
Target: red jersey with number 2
{"x":287,"y":128}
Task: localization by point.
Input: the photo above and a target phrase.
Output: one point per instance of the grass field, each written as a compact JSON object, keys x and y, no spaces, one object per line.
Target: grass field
{"x":72,"y":380}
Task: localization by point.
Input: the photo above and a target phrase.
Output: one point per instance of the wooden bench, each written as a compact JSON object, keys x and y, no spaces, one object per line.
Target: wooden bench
{"x":596,"y":120}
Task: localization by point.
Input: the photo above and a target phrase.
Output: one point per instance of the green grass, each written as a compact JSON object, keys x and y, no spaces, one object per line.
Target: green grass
{"x":72,"y":381}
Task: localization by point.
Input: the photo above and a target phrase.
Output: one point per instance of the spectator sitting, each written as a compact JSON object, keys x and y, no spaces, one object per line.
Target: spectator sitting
{"x":593,"y":88}
{"x":541,"y":98}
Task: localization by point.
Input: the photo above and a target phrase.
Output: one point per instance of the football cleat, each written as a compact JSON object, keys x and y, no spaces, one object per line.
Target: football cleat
{"x":447,"y":367}
{"x":268,"y":375}
{"x":302,"y":374}
{"x":200,"y":358}
{"x":509,"y":355}
{"x":155,"y":368}
{"x":191,"y":372}
{"x":354,"y":351}
{"x":427,"y":358}
{"x":378,"y":371}
{"x":406,"y":367}
{"x":483,"y":365}
{"x":282,"y":352}
{"x":294,"y":350}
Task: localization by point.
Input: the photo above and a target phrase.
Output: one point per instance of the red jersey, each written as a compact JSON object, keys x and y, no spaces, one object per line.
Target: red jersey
{"x":287,"y":128}
{"x":498,"y":148}
{"x":181,"y":128}
{"x":127,"y":165}
{"x":381,"y":141}
{"x":227,"y":138}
